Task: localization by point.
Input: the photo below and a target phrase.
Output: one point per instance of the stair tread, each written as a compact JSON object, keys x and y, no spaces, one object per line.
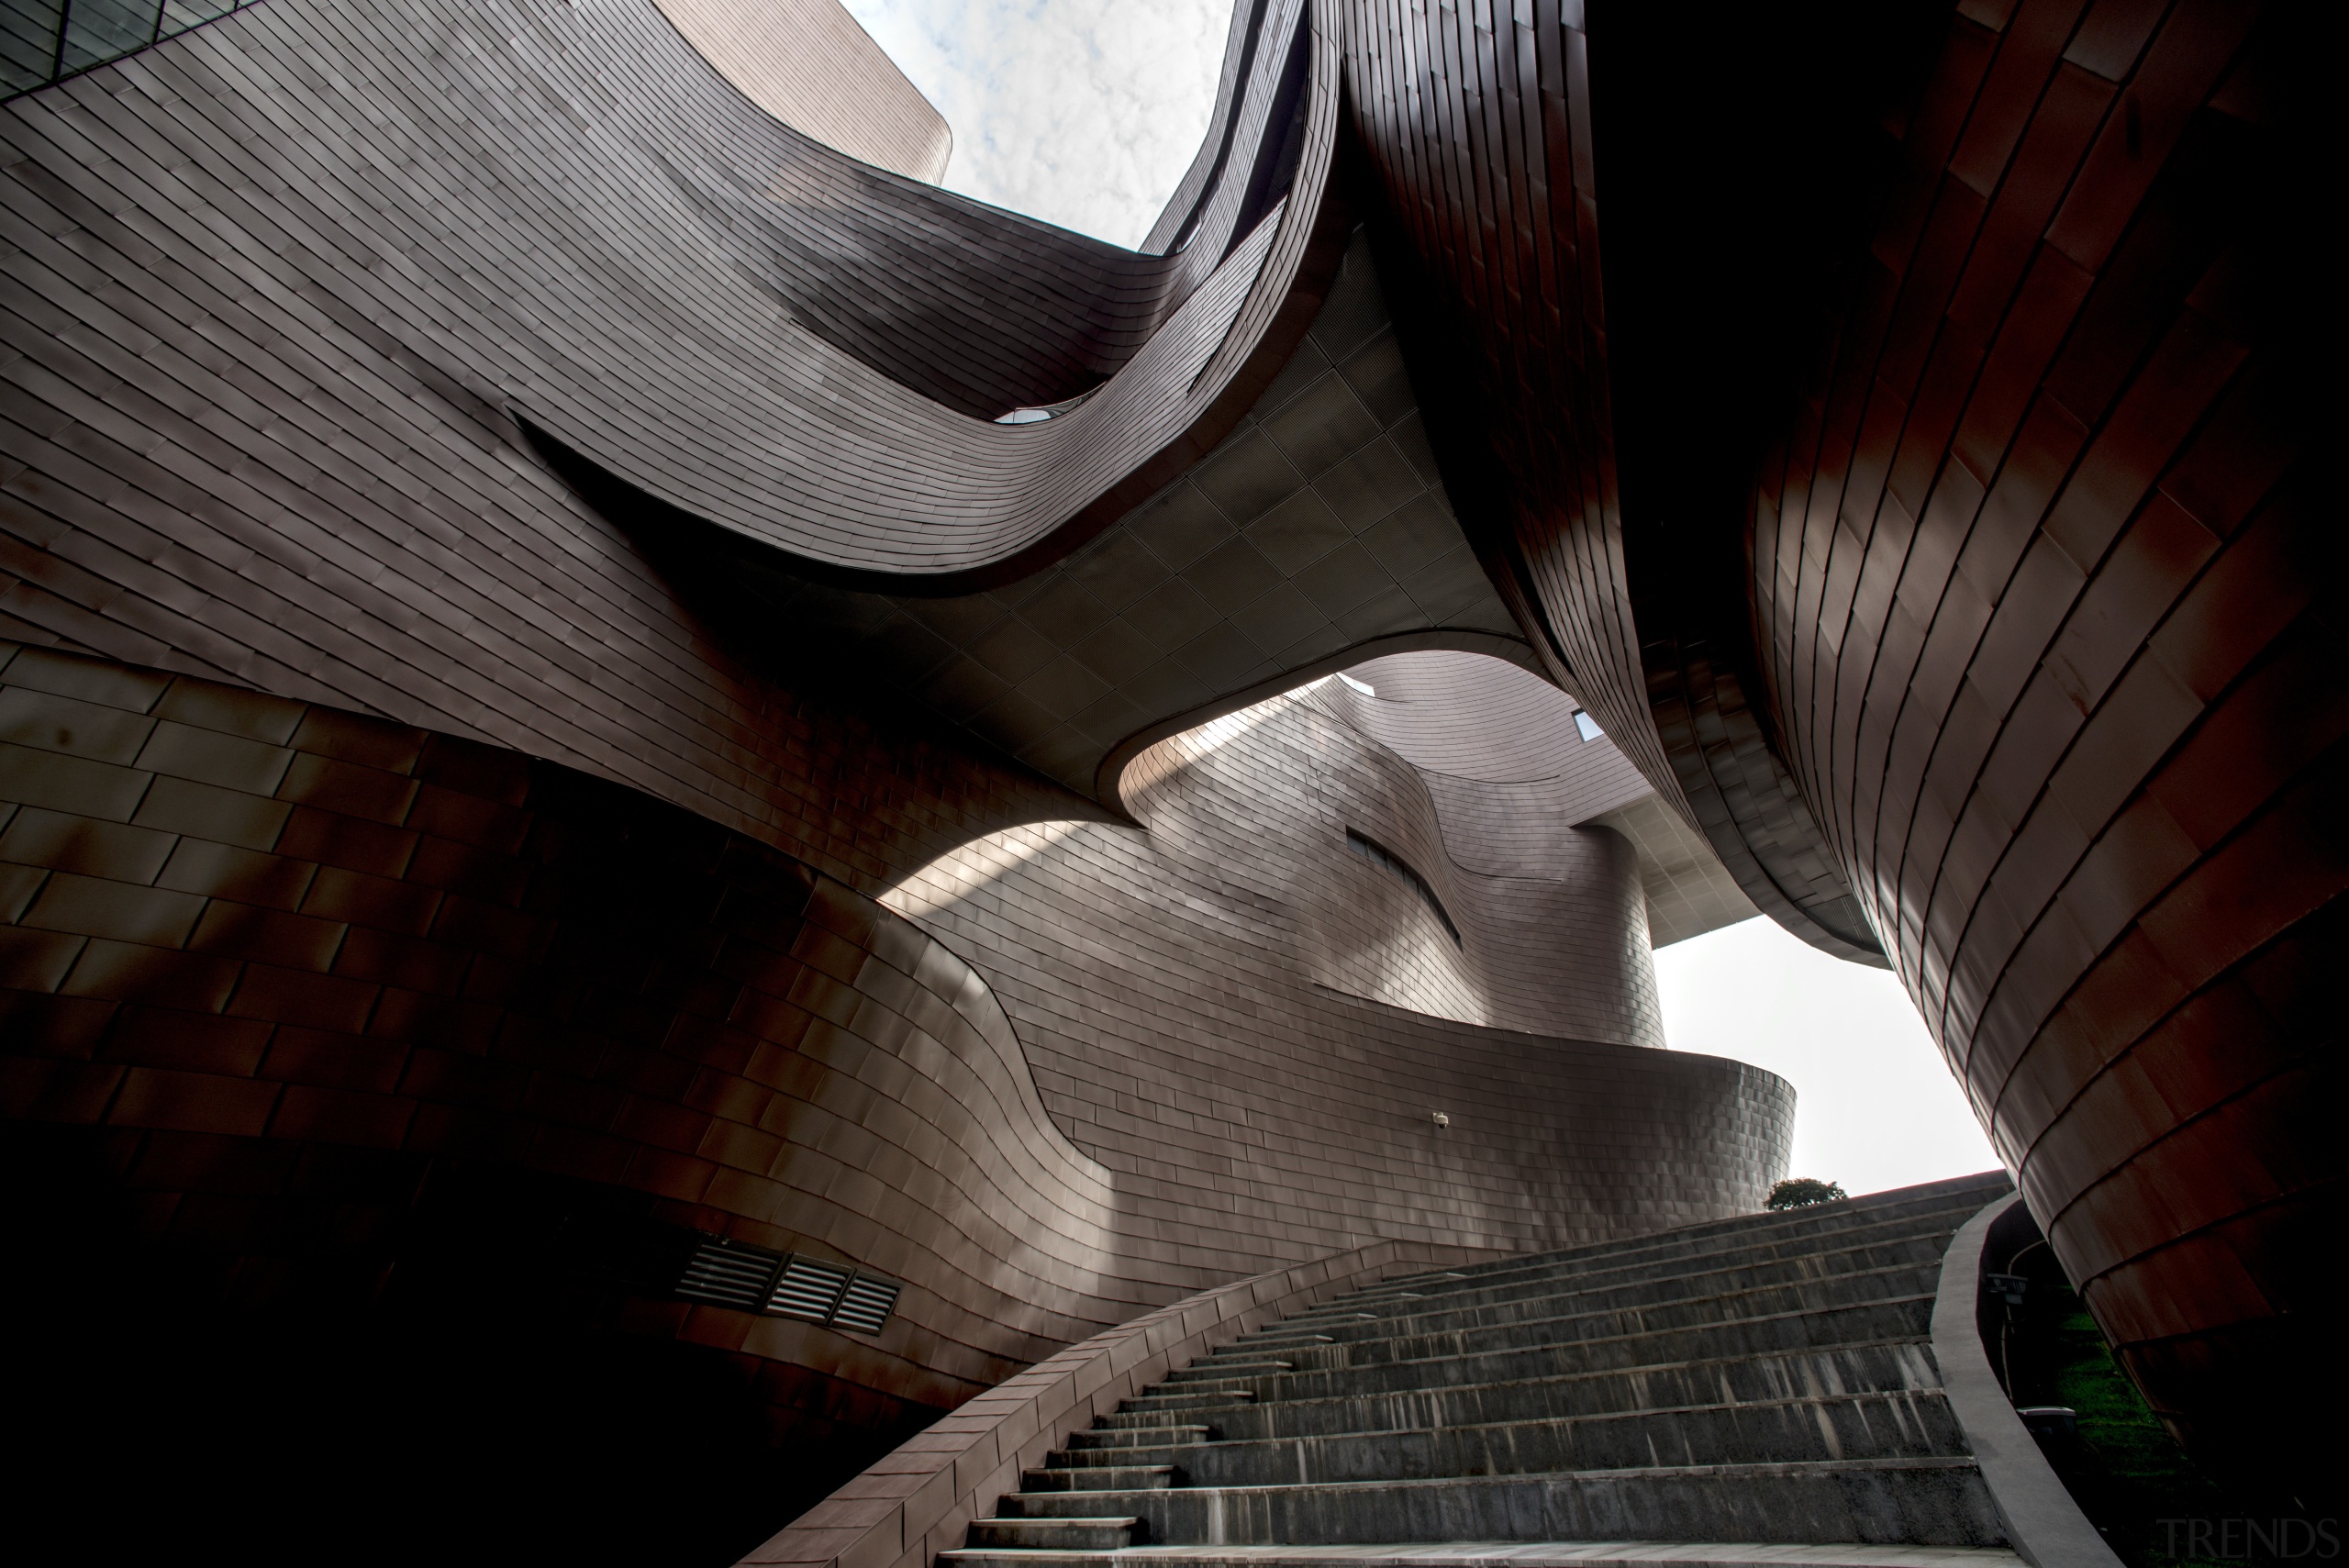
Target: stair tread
{"x":1644,"y":1412}
{"x":1771,"y":1363}
{"x":1647,"y":1472}
{"x":1537,"y":1554}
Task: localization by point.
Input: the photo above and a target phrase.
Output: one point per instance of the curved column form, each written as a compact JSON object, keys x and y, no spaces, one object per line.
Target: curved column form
{"x":1513,"y":774}
{"x":254,"y":949}
{"x":1244,"y":916}
{"x":1319,"y":529}
{"x":2054,"y":622}
{"x":810,"y":65}
{"x":1551,"y":915}
{"x":1571,"y":461}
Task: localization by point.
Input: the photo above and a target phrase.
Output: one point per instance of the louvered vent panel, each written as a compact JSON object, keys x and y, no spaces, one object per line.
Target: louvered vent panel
{"x":865,"y":1305}
{"x":807,"y":1289}
{"x":728,"y":1276}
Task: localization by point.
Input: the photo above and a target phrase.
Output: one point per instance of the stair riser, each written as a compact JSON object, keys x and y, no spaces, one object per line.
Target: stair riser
{"x":1209,"y":1369}
{"x":1051,"y":1535}
{"x":1910,"y":1239}
{"x":1824,"y":1303}
{"x":1173,"y":1407}
{"x":1793,"y":1289}
{"x":1149,"y":1478}
{"x":1453,"y":1360}
{"x":1941,"y":1505}
{"x":1813,"y":1227}
{"x":1879,"y":1426}
{"x":1804,"y":1375}
{"x":1552,"y":1300}
{"x":1125,"y":1439}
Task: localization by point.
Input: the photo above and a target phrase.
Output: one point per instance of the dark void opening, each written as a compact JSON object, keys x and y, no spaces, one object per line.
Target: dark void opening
{"x":469,"y":1366}
{"x":2153,"y":1506}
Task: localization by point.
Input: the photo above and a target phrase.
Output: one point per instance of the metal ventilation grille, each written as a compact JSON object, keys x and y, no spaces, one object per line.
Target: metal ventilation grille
{"x":807,"y":1289}
{"x":728,"y":1274}
{"x":751,"y":1279}
{"x":865,"y":1305}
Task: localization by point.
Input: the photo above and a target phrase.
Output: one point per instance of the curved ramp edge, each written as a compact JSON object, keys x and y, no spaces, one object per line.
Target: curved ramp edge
{"x":922,"y":1499}
{"x":2046,"y":1527}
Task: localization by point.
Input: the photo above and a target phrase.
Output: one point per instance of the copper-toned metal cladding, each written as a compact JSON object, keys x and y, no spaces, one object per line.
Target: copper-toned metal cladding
{"x":2018,"y":658}
{"x":2026,"y":559}
{"x":247,"y":934}
{"x":2051,"y":634}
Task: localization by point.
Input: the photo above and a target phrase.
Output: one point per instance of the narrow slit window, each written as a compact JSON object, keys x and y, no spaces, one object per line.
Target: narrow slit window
{"x":1380,"y":855}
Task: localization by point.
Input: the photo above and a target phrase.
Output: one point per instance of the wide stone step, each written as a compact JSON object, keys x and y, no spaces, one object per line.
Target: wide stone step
{"x":1098,"y":1478}
{"x":1172,"y":1406}
{"x":1135,"y":1437}
{"x":1884,"y":1366}
{"x":1212,"y":1369}
{"x":1930,"y":1502}
{"x":1212,"y":1416}
{"x":1032,"y":1532}
{"x":1611,"y":1341}
{"x":1717,"y":1252}
{"x":1915,"y":1260}
{"x":1867,"y":1426}
{"x":1512,"y":1554}
{"x":1905,"y":1242}
{"x":1963,"y":1194}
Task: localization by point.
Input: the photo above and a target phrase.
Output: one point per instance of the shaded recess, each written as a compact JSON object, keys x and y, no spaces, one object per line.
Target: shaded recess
{"x":1319,"y":525}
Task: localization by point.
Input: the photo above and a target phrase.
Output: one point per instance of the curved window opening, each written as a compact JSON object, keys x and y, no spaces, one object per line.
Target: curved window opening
{"x":1038,"y":415}
{"x":1379,"y":854}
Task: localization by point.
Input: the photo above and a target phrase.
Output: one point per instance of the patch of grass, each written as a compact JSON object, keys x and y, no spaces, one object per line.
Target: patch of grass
{"x":2129,"y":1473}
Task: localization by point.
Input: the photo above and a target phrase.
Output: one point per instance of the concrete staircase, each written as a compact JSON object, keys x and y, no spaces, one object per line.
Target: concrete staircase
{"x":1747,"y":1391}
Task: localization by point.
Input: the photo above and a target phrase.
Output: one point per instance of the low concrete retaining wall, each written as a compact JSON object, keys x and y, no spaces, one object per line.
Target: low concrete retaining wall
{"x":2042,"y":1523}
{"x":920,"y":1500}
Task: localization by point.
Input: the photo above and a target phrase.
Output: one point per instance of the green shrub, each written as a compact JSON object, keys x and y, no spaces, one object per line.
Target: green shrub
{"x":1802,"y":1191}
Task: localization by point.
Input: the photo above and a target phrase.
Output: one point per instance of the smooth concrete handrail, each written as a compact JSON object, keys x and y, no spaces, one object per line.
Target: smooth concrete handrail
{"x":2043,"y":1525}
{"x":920,"y":1500}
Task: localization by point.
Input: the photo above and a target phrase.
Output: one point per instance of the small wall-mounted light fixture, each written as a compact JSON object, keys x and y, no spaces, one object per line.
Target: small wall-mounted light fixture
{"x":1442,"y":1121}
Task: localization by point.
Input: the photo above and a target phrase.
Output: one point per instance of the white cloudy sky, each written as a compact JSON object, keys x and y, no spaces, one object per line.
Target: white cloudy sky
{"x":1086,"y":113}
{"x":1875,"y":1105}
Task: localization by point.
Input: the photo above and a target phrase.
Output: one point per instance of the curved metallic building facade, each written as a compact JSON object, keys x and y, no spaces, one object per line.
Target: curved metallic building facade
{"x":580,"y":654}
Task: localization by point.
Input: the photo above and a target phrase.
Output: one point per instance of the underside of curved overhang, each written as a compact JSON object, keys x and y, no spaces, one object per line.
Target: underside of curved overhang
{"x":1317,"y":533}
{"x":830,"y":380}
